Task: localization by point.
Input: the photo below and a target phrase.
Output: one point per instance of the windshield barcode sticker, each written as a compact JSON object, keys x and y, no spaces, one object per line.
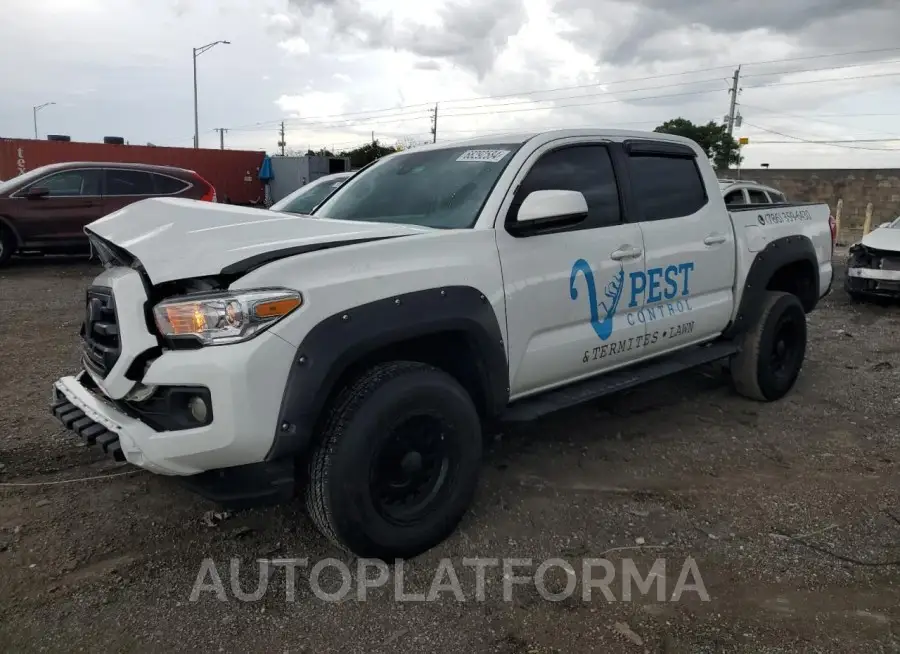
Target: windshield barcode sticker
{"x":483,"y":156}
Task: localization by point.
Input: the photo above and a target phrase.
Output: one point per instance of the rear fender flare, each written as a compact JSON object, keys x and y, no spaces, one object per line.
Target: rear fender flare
{"x":777,"y":254}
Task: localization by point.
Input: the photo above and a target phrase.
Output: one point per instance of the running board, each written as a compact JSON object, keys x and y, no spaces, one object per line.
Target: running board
{"x":615,"y":381}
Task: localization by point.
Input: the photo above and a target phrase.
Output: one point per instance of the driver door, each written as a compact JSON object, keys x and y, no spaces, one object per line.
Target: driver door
{"x":570,"y":313}
{"x":72,"y":201}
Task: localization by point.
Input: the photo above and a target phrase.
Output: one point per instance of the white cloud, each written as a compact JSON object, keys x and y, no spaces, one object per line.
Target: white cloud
{"x":295,"y":45}
{"x":338,"y":70}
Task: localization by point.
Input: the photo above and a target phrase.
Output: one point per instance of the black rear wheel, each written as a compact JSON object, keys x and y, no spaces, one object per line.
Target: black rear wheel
{"x":772,"y":349}
{"x":398,"y":464}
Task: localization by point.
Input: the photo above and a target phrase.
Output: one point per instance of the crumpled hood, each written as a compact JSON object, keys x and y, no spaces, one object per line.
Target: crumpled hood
{"x":883,"y":238}
{"x":175,"y":238}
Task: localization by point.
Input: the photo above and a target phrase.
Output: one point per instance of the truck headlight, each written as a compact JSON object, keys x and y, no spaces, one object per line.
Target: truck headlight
{"x":222,"y":318}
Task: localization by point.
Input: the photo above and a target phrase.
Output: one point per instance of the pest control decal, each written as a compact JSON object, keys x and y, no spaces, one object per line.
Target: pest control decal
{"x":666,"y":291}
{"x":483,"y":156}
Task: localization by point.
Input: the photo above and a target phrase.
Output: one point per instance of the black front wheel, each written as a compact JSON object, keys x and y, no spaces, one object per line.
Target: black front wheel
{"x":398,"y":464}
{"x":772,"y":349}
{"x":7,"y":244}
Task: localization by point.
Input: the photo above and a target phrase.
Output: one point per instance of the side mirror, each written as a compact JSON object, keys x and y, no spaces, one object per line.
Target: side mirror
{"x":37,"y":192}
{"x":547,"y":209}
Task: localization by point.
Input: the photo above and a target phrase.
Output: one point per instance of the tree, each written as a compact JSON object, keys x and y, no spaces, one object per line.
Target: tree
{"x":722,"y":149}
{"x":367,"y":153}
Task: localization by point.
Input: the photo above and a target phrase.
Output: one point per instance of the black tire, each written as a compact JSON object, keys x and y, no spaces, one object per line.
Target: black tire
{"x":772,"y":349}
{"x":359,"y":450}
{"x":7,"y":244}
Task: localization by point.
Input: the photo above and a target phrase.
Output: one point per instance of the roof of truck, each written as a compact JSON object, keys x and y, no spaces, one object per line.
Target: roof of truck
{"x":521,"y":137}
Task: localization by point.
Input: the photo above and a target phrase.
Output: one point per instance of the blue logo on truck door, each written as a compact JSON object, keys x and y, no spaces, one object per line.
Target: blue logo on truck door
{"x":602,"y":314}
{"x":666,"y":292}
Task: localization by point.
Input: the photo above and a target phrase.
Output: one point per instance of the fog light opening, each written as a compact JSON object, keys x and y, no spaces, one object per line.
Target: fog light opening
{"x":198,"y":408}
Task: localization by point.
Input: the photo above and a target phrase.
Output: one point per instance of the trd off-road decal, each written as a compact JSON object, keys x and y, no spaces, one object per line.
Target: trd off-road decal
{"x":664,"y":292}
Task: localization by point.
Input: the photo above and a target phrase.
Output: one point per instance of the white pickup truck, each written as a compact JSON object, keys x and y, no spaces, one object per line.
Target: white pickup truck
{"x":360,"y":354}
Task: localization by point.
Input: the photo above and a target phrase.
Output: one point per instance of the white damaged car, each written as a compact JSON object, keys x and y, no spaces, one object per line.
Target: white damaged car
{"x":873,"y":267}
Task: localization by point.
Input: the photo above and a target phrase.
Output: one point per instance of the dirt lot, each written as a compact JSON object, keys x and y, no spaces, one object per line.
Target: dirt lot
{"x":676,"y":469}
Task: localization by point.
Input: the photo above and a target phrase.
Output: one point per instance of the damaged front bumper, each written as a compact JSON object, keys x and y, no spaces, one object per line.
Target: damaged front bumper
{"x":873,"y":272}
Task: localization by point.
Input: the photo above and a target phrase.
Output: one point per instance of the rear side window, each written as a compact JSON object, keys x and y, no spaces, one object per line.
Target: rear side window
{"x":776,"y":196}
{"x":166,"y":185}
{"x":666,"y":187}
{"x":584,"y":168}
{"x":757,"y":196}
{"x":128,"y":182}
{"x":735,"y":197}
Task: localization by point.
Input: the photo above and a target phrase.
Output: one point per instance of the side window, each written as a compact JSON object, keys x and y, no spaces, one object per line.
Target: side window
{"x":757,"y":197}
{"x":666,"y":187}
{"x":128,"y":182}
{"x":71,"y":183}
{"x":776,"y":196}
{"x":735,"y":197}
{"x":166,"y":185}
{"x":585,"y":168}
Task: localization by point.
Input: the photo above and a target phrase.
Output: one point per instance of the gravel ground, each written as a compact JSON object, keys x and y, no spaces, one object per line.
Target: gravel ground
{"x":791,"y":512}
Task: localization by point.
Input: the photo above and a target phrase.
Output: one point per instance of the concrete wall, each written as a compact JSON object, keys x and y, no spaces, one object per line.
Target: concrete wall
{"x":856,"y":187}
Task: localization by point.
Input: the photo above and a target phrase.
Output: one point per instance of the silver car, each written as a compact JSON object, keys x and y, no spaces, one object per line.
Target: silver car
{"x":308,"y":196}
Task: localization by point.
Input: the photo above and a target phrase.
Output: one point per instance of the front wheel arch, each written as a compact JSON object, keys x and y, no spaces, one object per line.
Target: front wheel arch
{"x":453,"y":328}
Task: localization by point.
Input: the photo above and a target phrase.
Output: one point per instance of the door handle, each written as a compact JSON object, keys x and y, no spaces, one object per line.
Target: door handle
{"x":714,"y":239}
{"x":626,"y":252}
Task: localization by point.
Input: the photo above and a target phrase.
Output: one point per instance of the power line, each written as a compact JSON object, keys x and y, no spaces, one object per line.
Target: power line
{"x":837,"y":143}
{"x":419,"y":106}
{"x":493,"y":109}
{"x":811,"y":118}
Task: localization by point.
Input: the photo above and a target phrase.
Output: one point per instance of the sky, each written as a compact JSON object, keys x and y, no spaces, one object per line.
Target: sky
{"x":339,"y":72}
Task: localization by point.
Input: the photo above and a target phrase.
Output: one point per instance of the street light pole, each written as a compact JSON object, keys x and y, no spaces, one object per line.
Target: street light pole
{"x":197,"y":52}
{"x":34,"y":110}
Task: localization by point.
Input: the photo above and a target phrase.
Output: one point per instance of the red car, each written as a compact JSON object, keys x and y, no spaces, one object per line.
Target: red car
{"x":45,"y":210}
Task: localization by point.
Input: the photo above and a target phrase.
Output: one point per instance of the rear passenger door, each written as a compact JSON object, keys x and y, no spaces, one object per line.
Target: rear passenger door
{"x":689,"y":246}
{"x":568,"y":309}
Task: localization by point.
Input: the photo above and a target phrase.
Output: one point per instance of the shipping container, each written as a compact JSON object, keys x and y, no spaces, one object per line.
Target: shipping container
{"x":234,"y":173}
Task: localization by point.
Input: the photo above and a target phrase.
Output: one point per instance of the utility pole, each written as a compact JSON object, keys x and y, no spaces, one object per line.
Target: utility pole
{"x":282,"y":142}
{"x":434,"y":117}
{"x":373,"y":139}
{"x":221,"y":131}
{"x":729,"y":120}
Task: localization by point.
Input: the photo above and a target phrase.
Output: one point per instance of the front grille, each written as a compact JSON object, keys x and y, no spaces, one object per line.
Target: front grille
{"x":100,"y":330}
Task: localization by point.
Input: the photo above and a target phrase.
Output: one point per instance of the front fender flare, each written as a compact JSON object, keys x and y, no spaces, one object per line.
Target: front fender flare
{"x":339,"y":341}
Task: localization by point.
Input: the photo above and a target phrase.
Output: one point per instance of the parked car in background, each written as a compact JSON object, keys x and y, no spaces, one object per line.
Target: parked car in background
{"x":747,"y":191}
{"x":873,"y":267}
{"x":234,"y":173}
{"x":45,"y":210}
{"x":308,"y":196}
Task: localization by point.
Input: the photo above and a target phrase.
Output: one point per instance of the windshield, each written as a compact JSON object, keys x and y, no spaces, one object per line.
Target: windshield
{"x":444,"y":188}
{"x":305,"y":198}
{"x":24,"y":178}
